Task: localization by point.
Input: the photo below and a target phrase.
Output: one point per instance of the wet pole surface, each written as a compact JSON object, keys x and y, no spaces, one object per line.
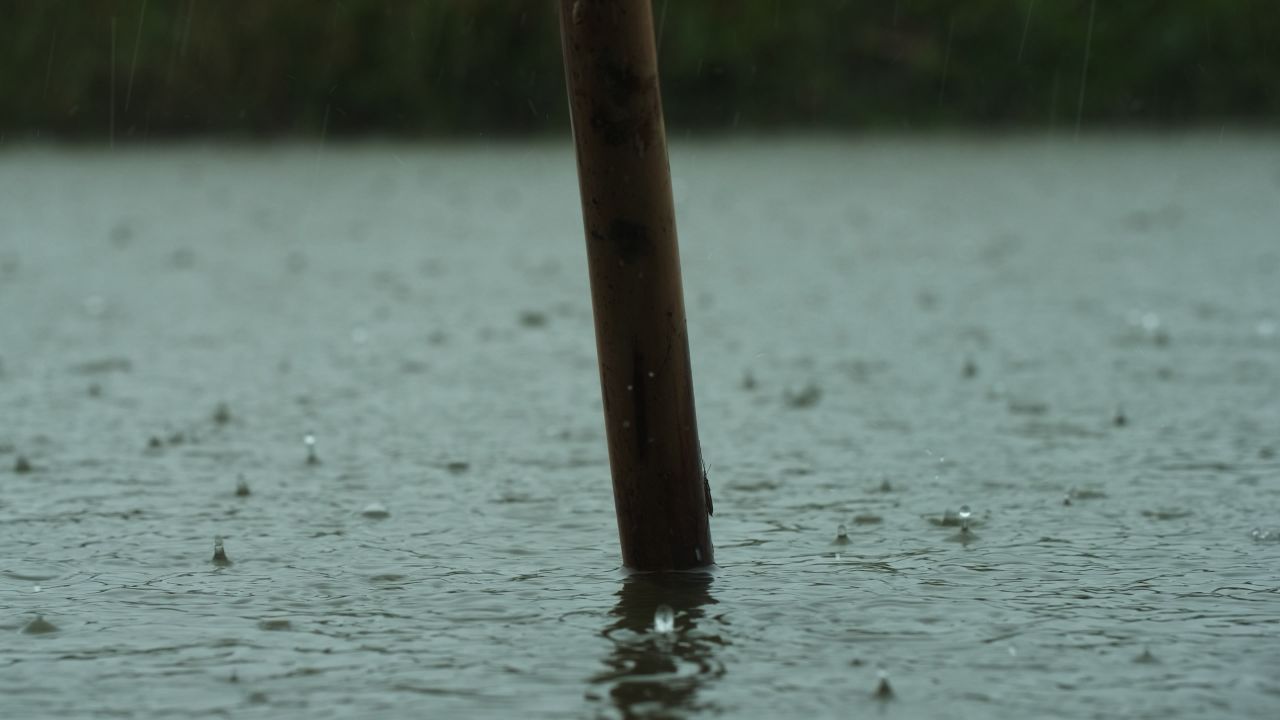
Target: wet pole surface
{"x":660,"y":491}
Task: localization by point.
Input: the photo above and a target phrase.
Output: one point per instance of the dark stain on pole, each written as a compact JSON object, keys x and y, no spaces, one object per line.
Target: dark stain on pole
{"x":660,"y":489}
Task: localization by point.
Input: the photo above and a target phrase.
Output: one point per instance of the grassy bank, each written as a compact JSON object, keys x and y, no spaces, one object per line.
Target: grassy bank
{"x":492,"y":66}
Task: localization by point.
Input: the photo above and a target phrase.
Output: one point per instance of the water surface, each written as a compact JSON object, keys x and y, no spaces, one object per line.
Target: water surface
{"x":1078,"y":340}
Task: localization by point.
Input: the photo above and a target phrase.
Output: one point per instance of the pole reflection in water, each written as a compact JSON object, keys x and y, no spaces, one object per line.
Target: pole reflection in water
{"x":651,"y":673}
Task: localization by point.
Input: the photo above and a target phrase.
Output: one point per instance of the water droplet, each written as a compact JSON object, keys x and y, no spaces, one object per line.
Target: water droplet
{"x":650,"y":373}
{"x":36,"y":588}
{"x":664,"y":620}
{"x":376,"y":511}
{"x":964,"y":516}
{"x":1260,"y":535}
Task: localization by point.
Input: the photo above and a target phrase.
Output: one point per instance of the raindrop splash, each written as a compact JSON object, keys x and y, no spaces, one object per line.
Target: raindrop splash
{"x":219,"y":553}
{"x":884,"y":691}
{"x":664,"y":620}
{"x":1260,"y":535}
{"x":310,"y":441}
{"x":39,"y":626}
{"x":842,"y":535}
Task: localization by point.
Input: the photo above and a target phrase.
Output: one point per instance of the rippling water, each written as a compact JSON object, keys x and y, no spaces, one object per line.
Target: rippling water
{"x":1077,"y":340}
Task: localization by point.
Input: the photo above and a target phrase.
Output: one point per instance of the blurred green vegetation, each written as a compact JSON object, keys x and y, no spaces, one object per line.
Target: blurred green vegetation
{"x":424,"y":67}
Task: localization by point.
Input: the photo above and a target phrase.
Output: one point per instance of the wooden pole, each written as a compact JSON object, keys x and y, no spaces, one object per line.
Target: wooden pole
{"x":659,"y":488}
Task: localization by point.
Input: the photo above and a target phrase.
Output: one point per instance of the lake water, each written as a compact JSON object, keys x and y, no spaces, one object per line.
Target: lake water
{"x":1078,"y":340}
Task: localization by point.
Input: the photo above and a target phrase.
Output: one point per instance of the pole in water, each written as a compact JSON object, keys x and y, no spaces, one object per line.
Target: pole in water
{"x":659,"y":488}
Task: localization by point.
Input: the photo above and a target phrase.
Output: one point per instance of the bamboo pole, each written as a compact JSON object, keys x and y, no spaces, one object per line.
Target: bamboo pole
{"x":660,"y":491}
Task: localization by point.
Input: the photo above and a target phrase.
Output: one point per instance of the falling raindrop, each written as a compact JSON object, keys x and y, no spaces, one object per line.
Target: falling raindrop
{"x":1084,"y":69}
{"x":1026,"y":25}
{"x":112,"y":134}
{"x":664,"y":620}
{"x":946,"y":61}
{"x":133,"y":64}
{"x":964,"y":516}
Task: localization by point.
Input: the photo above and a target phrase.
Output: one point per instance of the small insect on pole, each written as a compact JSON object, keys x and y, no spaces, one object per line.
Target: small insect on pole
{"x":659,"y":489}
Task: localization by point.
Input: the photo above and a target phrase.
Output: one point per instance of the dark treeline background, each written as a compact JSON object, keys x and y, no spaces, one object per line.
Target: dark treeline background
{"x":451,"y":67}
